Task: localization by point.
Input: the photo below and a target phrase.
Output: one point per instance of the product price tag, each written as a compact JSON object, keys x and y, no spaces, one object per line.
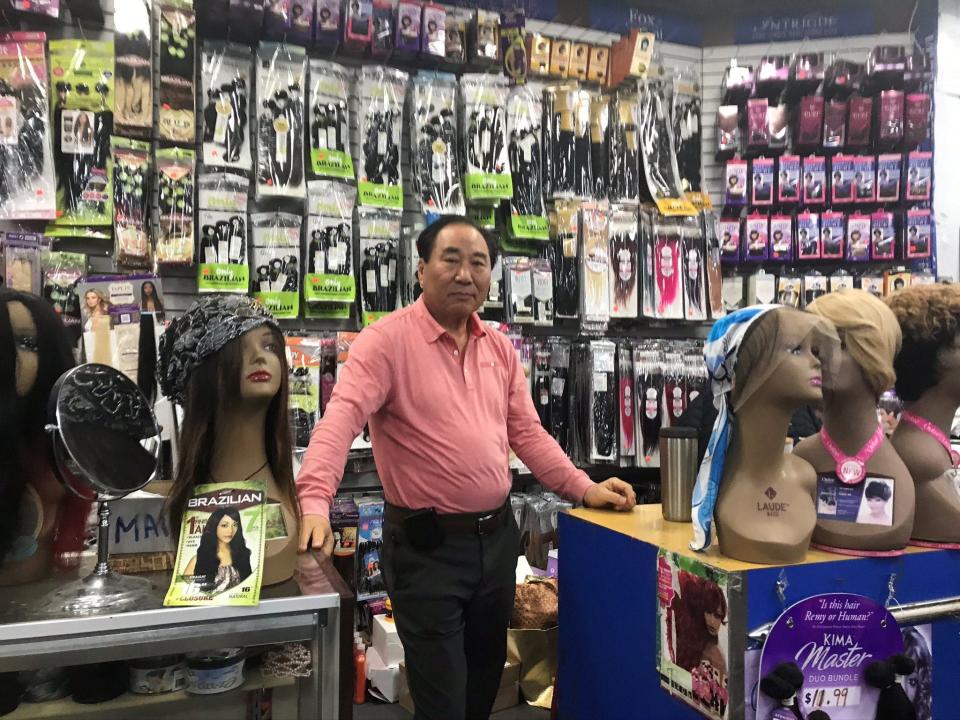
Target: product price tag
{"x":672,"y":207}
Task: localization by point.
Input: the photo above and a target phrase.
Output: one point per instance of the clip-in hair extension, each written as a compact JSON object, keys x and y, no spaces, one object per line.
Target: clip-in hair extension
{"x":226,"y":80}
{"x":379,"y":262}
{"x":382,"y":91}
{"x":132,"y":181}
{"x":436,"y":170}
{"x":487,"y":168}
{"x":275,"y":262}
{"x":222,"y":241}
{"x":527,"y":213}
{"x":281,"y":70}
{"x":624,"y":232}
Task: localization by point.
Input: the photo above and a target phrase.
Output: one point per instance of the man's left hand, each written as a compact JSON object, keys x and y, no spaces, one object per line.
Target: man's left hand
{"x":612,"y":494}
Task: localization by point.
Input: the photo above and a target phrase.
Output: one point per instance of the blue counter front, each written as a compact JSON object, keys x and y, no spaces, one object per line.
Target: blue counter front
{"x":608,"y":610}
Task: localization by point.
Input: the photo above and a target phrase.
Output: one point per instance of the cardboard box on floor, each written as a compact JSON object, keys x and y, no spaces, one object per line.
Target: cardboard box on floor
{"x":507,"y":697}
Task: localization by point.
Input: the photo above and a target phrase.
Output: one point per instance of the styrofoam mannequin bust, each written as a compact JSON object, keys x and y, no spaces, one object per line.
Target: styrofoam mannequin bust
{"x":928,"y":383}
{"x":863,"y":370}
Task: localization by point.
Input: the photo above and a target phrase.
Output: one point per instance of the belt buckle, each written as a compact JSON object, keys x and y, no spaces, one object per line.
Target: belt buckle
{"x":482,"y":521}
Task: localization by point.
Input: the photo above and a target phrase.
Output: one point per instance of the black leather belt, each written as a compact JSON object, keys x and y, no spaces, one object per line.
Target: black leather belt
{"x":482,"y":523}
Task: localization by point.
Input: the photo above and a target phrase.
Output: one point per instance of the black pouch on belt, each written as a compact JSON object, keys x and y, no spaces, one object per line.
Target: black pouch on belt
{"x":423,"y":530}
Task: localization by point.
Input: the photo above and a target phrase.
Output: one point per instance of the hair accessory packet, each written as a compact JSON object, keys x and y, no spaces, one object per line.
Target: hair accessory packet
{"x":433,"y":139}
{"x":485,"y":38}
{"x":434,"y":31}
{"x":814,"y":286}
{"x":833,"y":235}
{"x":487,"y":176}
{"x":920,"y":233}
{"x":226,"y":71}
{"x":409,"y":14}
{"x":919,"y":176}
{"x":380,"y":182}
{"x":134,"y":66}
{"x":883,"y":241}
{"x":513,"y":46}
{"x":624,"y":227}
{"x":329,"y":288}
{"x":83,"y":122}
{"x":281,"y":70}
{"x":275,"y":262}
{"x":757,"y":238}
{"x":177,"y":69}
{"x":858,"y":238}
{"x":132,"y":181}
{"x":60,"y":272}
{"x":27,"y":183}
{"x":329,"y":116}
{"x":781,"y":238}
{"x":455,"y":41}
{"x":379,"y":262}
{"x":524,"y":124}
{"x":175,"y":169}
{"x":737,"y":84}
{"x":357,"y":26}
{"x":659,"y":158}
{"x":808,"y":236}
{"x":736,"y":183}
{"x":222,"y":262}
{"x":728,"y":230}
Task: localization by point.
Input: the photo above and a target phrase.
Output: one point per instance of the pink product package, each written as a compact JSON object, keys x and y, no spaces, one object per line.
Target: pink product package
{"x":890,"y":118}
{"x":919,"y":176}
{"x":919,"y":239}
{"x":808,"y":236}
{"x":728,"y":230}
{"x":788,"y":182}
{"x":858,"y":238}
{"x":814,"y":180}
{"x":834,"y":124}
{"x":888,"y":177}
{"x":841,"y":179}
{"x":864,"y":178}
{"x":832,"y":235}
{"x":860,"y":122}
{"x":762,"y":181}
{"x":736,"y":182}
{"x":669,"y":294}
{"x":757,"y":133}
{"x":778,"y":126}
{"x":917,"y":119}
{"x":883,"y":236}
{"x":756,"y":238}
{"x":810,"y":122}
{"x":358,"y":26}
{"x":781,"y":238}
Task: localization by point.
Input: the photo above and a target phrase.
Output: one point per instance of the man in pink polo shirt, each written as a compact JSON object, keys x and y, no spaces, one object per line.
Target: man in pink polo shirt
{"x":446,"y":398}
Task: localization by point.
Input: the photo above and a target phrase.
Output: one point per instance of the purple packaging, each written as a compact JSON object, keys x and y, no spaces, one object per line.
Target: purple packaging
{"x":728,"y":230}
{"x":808,"y":236}
{"x":778,"y":126}
{"x":916,"y":119}
{"x":832,"y":235}
{"x":890,"y":118}
{"x":276,"y":19}
{"x":814,"y":180}
{"x":756,"y":236}
{"x":919,"y":242}
{"x":788,"y":186}
{"x":762,"y":181}
{"x":408,"y":27}
{"x":757,"y":135}
{"x":327,"y":24}
{"x":841,"y":179}
{"x":919,"y":175}
{"x":301,"y":22}
{"x":858,"y":238}
{"x":860,"y":122}
{"x":888,"y":178}
{"x":834,"y":124}
{"x":883,"y":236}
{"x":728,"y":129}
{"x":736,"y":182}
{"x":864,"y":178}
{"x":810,"y":123}
{"x":358,"y":26}
{"x":781,"y":238}
{"x":434,"y":30}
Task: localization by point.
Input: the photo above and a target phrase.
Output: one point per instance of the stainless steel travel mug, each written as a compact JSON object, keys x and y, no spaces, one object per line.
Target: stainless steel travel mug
{"x":678,"y":471}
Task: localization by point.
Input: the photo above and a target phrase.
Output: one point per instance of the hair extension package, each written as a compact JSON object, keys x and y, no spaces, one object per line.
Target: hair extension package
{"x":563,"y":253}
{"x":603,"y":402}
{"x":83,"y":122}
{"x":304,"y":374}
{"x":275,"y":262}
{"x":134,"y":66}
{"x":280,"y":89}
{"x":518,"y":290}
{"x":624,"y":148}
{"x":686,"y":130}
{"x":380,"y":180}
{"x":559,"y":392}
{"x":59,"y":274}
{"x":662,"y":175}
{"x":487,"y":176}
{"x":624,"y":232}
{"x":379,"y":262}
{"x":692,"y":266}
{"x":226,"y":76}
{"x":668,"y":286}
{"x":177,"y":97}
{"x":329,"y":288}
{"x":595,"y":267}
{"x":648,"y":388}
{"x":21,"y":262}
{"x":132,"y":180}
{"x":175,"y":170}
{"x":567,"y":122}
{"x":433,"y":140}
{"x":627,"y":404}
{"x":713,"y":262}
{"x":329,"y":109}
{"x":528,"y":218}
{"x":222,"y":255}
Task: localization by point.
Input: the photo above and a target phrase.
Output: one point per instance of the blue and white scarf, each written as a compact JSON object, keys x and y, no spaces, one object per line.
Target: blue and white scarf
{"x":720,"y":351}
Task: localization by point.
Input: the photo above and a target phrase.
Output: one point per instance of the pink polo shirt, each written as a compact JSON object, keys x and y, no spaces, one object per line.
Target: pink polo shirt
{"x":441,"y":423}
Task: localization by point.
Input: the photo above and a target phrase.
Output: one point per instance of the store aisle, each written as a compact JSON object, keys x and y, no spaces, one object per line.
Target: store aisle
{"x":379,"y":711}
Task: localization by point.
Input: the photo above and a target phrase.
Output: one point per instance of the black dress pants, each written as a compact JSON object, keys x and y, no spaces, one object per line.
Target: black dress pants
{"x":452,"y":606}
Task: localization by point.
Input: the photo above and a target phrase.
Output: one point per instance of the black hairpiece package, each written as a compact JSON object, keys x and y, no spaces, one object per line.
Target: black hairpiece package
{"x":564,"y":256}
{"x":329,"y":114}
{"x":524,"y":117}
{"x":624,"y":233}
{"x":305,"y":359}
{"x":559,"y":391}
{"x":663,"y":184}
{"x":226,"y":72}
{"x":647,"y":276}
{"x":626,"y":401}
{"x":178,"y":47}
{"x":713,"y":262}
{"x":281,"y":70}
{"x":27,"y":189}
{"x":222,"y":230}
{"x":411,"y":289}
{"x":569,"y":129}
{"x":686,"y":131}
{"x":487,"y":169}
{"x":455,"y":40}
{"x":134,"y":66}
{"x":433,"y":140}
{"x":518,"y":290}
{"x":329,"y":287}
{"x":693,"y":269}
{"x":542,"y":275}
{"x":624,"y":148}
{"x":275,"y":262}
{"x":380,"y":180}
{"x":246,"y":20}
{"x":603,"y":402}
{"x":60,"y":272}
{"x":542,"y":377}
{"x":674,"y":385}
{"x":132,"y":181}
{"x":379,"y":262}
{"x":600,"y":144}
{"x":175,"y":172}
{"x":650,"y":416}
{"x":579,"y":384}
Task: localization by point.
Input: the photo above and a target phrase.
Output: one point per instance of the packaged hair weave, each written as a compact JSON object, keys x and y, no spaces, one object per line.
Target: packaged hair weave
{"x":595,"y":267}
{"x":518,"y":290}
{"x":524,"y":117}
{"x":624,"y":148}
{"x":83,"y":123}
{"x":542,"y":377}
{"x":624,"y":231}
{"x":712,"y":260}
{"x":669,"y":286}
{"x":487,"y":167}
{"x":379,"y":262}
{"x":384,"y":28}
{"x":657,"y":153}
{"x":542,"y":275}
{"x":565,"y":259}
{"x":568,"y":109}
{"x":226,"y":71}
{"x":674,"y":386}
{"x":275,"y":262}
{"x":178,"y":47}
{"x":222,"y":220}
{"x":647,"y":281}
{"x":694,"y":277}
{"x":21,"y":262}
{"x":602,"y":402}
{"x":27,"y":184}
{"x":304,"y":384}
{"x":627,"y":403}
{"x":175,"y":172}
{"x":329,"y":115}
{"x":686,"y":130}
{"x":59,"y":274}
{"x":455,"y":40}
{"x":132,"y":181}
{"x":380,"y":182}
{"x":134,"y":67}
{"x":329,"y":287}
{"x":599,"y":145}
{"x":559,"y":391}
{"x":281,"y":69}
{"x":433,"y":132}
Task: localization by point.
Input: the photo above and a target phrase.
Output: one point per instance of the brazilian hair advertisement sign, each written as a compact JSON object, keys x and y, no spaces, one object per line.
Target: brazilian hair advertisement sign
{"x":693,"y":637}
{"x":220,"y":553}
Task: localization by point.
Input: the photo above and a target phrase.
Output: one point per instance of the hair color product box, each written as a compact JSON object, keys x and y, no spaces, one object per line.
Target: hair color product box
{"x":841,"y":179}
{"x":762,"y":185}
{"x":781,"y":238}
{"x":788,"y":186}
{"x":865,"y":178}
{"x":736,"y":182}
{"x":832,"y":235}
{"x":919,"y":175}
{"x":919,"y":239}
{"x":888,"y":177}
{"x":757,"y":236}
{"x":883,"y":236}
{"x":858,"y":238}
{"x":729,"y":231}
{"x":814,"y":180}
{"x":808,"y":236}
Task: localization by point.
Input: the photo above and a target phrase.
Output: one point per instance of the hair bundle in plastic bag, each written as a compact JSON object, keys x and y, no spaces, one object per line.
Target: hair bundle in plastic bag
{"x":657,"y":149}
{"x":559,"y":390}
{"x":686,"y":129}
{"x":626,"y":399}
{"x":568,"y":110}
{"x":624,"y":232}
{"x":595,"y":267}
{"x":222,"y":252}
{"x":669,"y":286}
{"x":380,"y":181}
{"x":281,"y":70}
{"x":134,"y":67}
{"x":484,"y":126}
{"x":379,"y":262}
{"x":694,"y":271}
{"x":542,"y":378}
{"x":599,"y":144}
{"x":650,"y":414}
{"x":132,"y":176}
{"x":329,"y":113}
{"x":304,"y":383}
{"x":433,"y":139}
{"x":275,"y":262}
{"x":329,"y":286}
{"x":580,"y":423}
{"x":175,"y":172}
{"x":177,"y":35}
{"x":518,"y":290}
{"x":602,"y":402}
{"x":226,"y":71}
{"x":674,"y":386}
{"x":563,"y":252}
{"x":524,"y":118}
{"x":59,"y":274}
{"x":712,"y":261}
{"x":624,"y":147}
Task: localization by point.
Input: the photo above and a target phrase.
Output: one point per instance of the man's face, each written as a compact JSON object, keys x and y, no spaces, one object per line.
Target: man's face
{"x":456,"y":278}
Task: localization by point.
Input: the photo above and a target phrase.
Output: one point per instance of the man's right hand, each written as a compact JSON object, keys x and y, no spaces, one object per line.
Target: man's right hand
{"x":316,"y":533}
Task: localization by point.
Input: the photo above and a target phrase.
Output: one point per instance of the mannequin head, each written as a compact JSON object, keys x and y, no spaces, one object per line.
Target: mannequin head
{"x":929,"y":317}
{"x":869,"y":341}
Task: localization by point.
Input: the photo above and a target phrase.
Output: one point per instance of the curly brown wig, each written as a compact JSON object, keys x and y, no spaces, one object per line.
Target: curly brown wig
{"x":929,"y":316}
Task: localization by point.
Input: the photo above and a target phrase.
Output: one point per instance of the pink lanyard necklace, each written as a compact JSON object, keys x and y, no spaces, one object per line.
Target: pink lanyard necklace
{"x":852,"y":469}
{"x":936,"y":433}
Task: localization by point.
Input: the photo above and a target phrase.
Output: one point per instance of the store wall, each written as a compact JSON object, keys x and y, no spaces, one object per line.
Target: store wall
{"x":946,"y":188}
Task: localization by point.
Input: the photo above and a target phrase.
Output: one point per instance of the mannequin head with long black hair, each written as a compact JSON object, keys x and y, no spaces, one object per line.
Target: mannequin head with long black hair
{"x":223,"y":528}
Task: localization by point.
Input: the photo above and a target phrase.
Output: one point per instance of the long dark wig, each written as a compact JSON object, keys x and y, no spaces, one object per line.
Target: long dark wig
{"x":213,"y":385}
{"x":207,"y":560}
{"x":24,"y":449}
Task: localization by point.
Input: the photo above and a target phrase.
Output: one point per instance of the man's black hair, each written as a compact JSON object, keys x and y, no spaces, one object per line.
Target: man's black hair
{"x":428,"y":238}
